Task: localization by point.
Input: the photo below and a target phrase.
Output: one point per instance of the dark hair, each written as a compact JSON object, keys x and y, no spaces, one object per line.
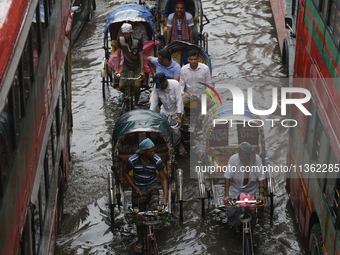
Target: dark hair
{"x":192,"y":53}
{"x":164,"y":53}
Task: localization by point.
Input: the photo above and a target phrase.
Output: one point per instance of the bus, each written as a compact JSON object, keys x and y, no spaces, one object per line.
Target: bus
{"x":35,"y":122}
{"x":310,"y":43}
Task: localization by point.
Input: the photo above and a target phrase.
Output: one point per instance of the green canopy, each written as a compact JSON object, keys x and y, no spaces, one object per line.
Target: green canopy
{"x":141,"y":121}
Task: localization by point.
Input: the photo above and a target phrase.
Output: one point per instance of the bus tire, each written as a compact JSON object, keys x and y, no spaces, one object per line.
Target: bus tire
{"x":285,"y":53}
{"x":315,"y":241}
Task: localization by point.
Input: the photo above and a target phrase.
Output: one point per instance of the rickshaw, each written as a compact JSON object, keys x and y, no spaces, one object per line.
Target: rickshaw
{"x":130,"y":129}
{"x":220,"y":143}
{"x":142,"y":21}
{"x":200,"y":20}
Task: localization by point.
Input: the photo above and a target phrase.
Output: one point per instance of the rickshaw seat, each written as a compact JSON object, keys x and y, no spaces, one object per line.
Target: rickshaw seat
{"x":221,"y":154}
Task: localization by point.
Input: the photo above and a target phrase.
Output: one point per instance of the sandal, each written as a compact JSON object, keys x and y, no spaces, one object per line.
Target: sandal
{"x":138,"y":249}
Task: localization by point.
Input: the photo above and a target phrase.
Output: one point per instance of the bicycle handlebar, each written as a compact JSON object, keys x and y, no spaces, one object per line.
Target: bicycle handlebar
{"x":250,"y":203}
{"x":160,"y":210}
{"x":129,"y":78}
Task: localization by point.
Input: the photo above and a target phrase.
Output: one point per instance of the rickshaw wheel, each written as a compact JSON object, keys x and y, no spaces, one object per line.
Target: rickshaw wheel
{"x":126,"y":106}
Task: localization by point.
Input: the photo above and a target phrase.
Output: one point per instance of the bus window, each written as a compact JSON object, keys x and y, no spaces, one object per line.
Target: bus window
{"x":333,"y":24}
{"x":26,"y":63}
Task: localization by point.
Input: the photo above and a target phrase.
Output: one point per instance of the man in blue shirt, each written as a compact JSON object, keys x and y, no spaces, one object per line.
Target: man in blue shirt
{"x":145,"y":193}
{"x":164,"y":64}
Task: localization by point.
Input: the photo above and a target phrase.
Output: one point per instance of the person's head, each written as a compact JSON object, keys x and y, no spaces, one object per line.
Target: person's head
{"x":126,"y":30}
{"x":180,"y":9}
{"x":161,"y":81}
{"x":147,"y":148}
{"x":164,"y":57}
{"x":245,"y":151}
{"x":193,"y":58}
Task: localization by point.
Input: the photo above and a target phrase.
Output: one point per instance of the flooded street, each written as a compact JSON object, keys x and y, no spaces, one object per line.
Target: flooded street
{"x":244,"y":52}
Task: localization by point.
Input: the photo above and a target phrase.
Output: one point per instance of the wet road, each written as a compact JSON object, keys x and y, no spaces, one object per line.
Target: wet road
{"x":244,"y":52}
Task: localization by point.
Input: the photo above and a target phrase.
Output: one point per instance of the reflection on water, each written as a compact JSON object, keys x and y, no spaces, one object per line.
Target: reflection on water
{"x":244,"y":52}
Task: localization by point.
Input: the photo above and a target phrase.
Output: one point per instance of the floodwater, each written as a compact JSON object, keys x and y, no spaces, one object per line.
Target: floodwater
{"x":244,"y":52}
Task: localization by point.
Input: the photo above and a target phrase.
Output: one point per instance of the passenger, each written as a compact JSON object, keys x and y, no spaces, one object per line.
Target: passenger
{"x":192,"y":76}
{"x":168,"y":92}
{"x":170,"y":7}
{"x":180,"y":25}
{"x":163,"y":63}
{"x":132,"y":49}
{"x":138,"y":31}
{"x":237,"y":181}
{"x":145,"y":193}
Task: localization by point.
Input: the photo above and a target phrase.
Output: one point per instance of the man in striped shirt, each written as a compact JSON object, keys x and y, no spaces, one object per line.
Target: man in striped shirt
{"x":145,"y":193}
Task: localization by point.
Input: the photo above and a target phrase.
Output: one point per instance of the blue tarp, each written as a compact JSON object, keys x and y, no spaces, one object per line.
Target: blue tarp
{"x":130,"y":12}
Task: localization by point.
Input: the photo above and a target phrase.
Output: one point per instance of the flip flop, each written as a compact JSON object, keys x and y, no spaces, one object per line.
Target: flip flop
{"x":138,"y":249}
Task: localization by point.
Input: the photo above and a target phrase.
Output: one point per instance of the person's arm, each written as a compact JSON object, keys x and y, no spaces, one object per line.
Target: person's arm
{"x":141,"y":60}
{"x":152,"y":66}
{"x":179,"y":105}
{"x":191,"y":35}
{"x":226,"y":198}
{"x":129,"y":181}
{"x":169,"y":28}
{"x":262,"y":189}
{"x":164,"y":182}
{"x":118,"y":60}
{"x":177,"y":71}
{"x":154,"y":99}
{"x":168,"y":34}
{"x":141,"y":57}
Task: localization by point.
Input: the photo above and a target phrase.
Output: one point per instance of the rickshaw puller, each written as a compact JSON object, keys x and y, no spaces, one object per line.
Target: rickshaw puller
{"x":132,"y":49}
{"x":145,"y":193}
{"x":237,"y":182}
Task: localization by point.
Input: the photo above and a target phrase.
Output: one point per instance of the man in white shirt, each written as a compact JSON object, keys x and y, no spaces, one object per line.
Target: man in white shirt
{"x":168,"y":92}
{"x":192,"y":75}
{"x":241,"y":181}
